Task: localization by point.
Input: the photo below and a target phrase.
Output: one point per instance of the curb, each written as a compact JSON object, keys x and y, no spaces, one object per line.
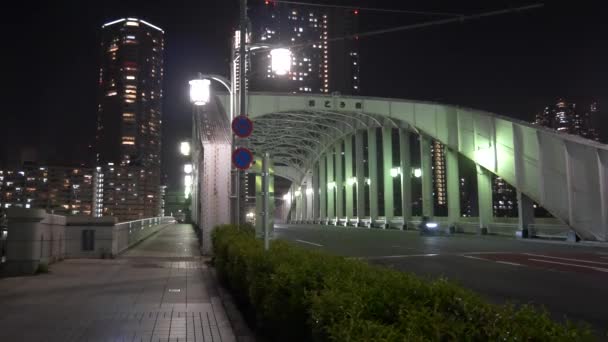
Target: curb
{"x":239,"y":326}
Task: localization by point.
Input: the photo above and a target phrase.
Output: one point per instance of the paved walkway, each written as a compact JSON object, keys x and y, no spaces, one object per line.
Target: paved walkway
{"x":158,"y":291}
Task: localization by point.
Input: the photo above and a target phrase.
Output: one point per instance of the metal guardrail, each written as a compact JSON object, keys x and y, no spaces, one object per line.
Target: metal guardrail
{"x":549,"y":231}
{"x":506,"y":229}
{"x":539,"y":230}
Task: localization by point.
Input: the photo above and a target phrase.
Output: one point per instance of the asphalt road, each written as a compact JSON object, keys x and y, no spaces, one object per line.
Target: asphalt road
{"x":570,"y":281}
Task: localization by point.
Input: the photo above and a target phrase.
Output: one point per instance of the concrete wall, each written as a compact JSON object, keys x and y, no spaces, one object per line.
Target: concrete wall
{"x":35,"y":237}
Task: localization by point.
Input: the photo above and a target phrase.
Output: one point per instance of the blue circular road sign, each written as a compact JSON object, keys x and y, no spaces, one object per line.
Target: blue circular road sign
{"x":242,"y":158}
{"x":242,"y":126}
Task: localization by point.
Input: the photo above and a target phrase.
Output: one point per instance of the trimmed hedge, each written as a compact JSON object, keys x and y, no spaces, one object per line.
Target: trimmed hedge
{"x":294,"y":294}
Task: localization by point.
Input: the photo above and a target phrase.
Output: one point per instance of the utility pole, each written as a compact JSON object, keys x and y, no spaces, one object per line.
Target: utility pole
{"x":242,"y":98}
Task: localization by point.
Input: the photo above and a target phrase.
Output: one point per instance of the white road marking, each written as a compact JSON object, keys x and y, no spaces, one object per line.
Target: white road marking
{"x":481,"y":253}
{"x":509,"y":263}
{"x":476,"y":258}
{"x":567,"y":259}
{"x":569,"y":264}
{"x":310,"y":243}
{"x":496,"y":261}
{"x":398,"y":256}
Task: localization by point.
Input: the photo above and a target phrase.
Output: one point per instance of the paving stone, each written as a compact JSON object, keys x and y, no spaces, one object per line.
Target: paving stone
{"x":159,"y":290}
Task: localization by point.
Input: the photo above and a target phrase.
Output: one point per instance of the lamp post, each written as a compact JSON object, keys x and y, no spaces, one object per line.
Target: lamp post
{"x":200,"y":88}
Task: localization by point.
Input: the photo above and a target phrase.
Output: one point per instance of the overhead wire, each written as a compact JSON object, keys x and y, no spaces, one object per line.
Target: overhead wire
{"x":369,"y":9}
{"x":414,"y":26}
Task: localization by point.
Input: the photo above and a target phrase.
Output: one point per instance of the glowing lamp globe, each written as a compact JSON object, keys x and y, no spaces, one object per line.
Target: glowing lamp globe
{"x":200,"y":91}
{"x":280,"y":61}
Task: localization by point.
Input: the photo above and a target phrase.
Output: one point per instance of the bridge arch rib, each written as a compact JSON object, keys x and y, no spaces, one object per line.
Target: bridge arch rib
{"x":565,"y":174}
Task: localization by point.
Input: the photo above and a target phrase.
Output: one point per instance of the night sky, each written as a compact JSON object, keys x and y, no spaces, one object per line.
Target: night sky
{"x":513,"y":65}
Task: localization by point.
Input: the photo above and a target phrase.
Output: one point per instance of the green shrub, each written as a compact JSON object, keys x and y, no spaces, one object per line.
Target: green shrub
{"x":294,"y":294}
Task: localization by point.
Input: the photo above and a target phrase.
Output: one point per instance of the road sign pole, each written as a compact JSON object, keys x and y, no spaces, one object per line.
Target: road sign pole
{"x":242,"y":93}
{"x":265,"y":192}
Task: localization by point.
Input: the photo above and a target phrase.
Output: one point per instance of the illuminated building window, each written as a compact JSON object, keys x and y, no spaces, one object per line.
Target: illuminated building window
{"x":130,"y":77}
{"x":132,"y":23}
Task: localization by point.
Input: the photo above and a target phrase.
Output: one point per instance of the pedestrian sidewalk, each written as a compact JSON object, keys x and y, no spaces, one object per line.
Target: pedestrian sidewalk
{"x":160,"y":290}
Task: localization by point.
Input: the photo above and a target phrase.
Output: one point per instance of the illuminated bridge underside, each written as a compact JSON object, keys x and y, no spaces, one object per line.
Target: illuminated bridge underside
{"x":565,"y":174}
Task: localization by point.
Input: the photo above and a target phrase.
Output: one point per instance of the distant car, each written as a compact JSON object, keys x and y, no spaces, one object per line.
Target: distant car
{"x":427,"y":227}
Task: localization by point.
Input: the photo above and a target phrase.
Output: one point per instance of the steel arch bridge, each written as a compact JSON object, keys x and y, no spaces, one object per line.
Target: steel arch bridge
{"x":565,"y":174}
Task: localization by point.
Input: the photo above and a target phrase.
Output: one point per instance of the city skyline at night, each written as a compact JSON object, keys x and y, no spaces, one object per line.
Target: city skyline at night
{"x":522,"y":51}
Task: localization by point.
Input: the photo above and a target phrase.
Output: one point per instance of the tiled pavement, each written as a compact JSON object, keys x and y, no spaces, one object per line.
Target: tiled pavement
{"x":158,"y":291}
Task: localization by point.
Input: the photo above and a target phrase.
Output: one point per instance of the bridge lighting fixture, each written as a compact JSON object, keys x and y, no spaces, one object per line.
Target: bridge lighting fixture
{"x":280,"y":61}
{"x":250,"y":215}
{"x":351,"y":181}
{"x":200,"y":91}
{"x":368,"y":181}
{"x":188,"y":168}
{"x":331,"y":185}
{"x":417,"y":172}
{"x":395,"y":171}
{"x":188,"y":180}
{"x":297,"y":193}
{"x":184,"y":148}
{"x":187,"y":185}
{"x":286,"y":197}
{"x":309,"y":191}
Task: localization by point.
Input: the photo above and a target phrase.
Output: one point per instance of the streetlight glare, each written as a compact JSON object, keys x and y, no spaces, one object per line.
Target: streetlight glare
{"x":200,"y":91}
{"x":187,"y":185}
{"x":188,"y":168}
{"x":280,"y":61}
{"x":188,"y":180}
{"x":184,"y":148}
{"x":395,"y":171}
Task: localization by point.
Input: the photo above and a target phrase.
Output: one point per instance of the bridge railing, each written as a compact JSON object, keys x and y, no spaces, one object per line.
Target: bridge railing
{"x":549,"y":231}
{"x":126,"y":234}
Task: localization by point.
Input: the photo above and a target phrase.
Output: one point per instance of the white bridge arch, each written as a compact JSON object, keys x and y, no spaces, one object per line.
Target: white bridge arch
{"x":565,"y":174}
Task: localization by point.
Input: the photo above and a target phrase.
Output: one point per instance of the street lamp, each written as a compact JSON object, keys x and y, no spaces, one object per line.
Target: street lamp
{"x":188,"y":169}
{"x":280,"y":61}
{"x":200,"y":90}
{"x":417,"y":172}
